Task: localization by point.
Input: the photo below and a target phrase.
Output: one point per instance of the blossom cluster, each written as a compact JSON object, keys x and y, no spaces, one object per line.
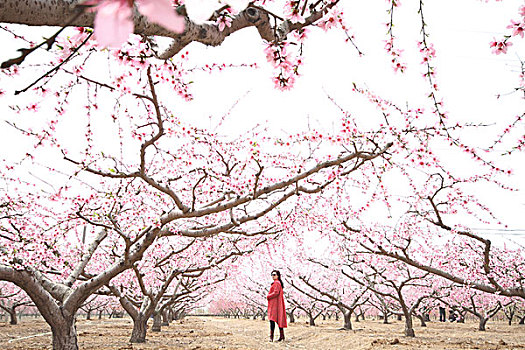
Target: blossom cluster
{"x":284,"y":63}
{"x":518,"y":29}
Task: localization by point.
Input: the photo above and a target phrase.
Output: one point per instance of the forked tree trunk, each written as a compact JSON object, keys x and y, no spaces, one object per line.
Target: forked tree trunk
{"x":140,"y":326}
{"x":157,"y":322}
{"x":65,"y":335}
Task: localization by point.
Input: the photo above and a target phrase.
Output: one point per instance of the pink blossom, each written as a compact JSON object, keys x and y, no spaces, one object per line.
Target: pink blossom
{"x":224,"y":21}
{"x":114,"y":20}
{"x":499,"y":46}
{"x":518,"y":28}
{"x":113,"y":23}
{"x":162,"y":13}
{"x":293,"y":12}
{"x":301,"y":35}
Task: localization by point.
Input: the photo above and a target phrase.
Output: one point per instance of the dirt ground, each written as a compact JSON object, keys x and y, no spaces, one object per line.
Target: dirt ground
{"x":205,"y":333}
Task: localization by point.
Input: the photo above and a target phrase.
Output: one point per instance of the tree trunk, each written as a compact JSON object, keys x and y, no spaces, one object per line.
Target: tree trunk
{"x":522,"y":320}
{"x":88,"y":315}
{"x":348,"y":320}
{"x":482,"y":323}
{"x":312,"y":321}
{"x":409,"y":328}
{"x":100,"y":314}
{"x":65,"y":335}
{"x":422,"y":320}
{"x":291,"y":317}
{"x":165,"y":318}
{"x":12,"y":317}
{"x":140,"y":325}
{"x":385,"y":317}
{"x":157,"y":322}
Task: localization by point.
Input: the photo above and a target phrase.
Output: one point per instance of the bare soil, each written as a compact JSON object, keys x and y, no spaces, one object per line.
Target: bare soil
{"x":206,"y":333}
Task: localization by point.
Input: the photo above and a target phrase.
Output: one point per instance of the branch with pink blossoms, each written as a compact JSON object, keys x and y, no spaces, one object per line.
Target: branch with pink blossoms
{"x":518,"y":29}
{"x":403,"y":254}
{"x":389,"y":45}
{"x":428,"y":52}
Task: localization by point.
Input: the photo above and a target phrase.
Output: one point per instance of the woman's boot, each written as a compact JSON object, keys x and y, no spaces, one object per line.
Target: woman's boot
{"x":281,"y":334}
{"x":271,"y":334}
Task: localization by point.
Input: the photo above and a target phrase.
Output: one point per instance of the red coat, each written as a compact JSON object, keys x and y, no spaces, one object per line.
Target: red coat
{"x":276,"y":310}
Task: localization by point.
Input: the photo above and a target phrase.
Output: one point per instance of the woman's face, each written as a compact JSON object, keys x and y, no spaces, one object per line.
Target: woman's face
{"x":274,"y":276}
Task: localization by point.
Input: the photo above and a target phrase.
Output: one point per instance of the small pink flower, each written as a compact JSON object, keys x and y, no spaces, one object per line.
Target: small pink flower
{"x":517,"y":27}
{"x":499,"y":47}
{"x":224,"y":21}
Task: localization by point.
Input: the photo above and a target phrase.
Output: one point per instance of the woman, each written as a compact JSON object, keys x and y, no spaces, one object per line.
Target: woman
{"x":276,"y":311}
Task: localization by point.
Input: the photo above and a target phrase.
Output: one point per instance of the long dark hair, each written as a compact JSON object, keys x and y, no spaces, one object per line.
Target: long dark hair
{"x":279,"y":277}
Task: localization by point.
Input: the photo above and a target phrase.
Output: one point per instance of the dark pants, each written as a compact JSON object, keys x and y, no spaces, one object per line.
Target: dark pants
{"x":442,"y":315}
{"x":272,"y":326}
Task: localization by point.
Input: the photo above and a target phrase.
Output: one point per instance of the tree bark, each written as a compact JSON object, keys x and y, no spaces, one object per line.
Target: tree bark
{"x":522,"y":320}
{"x":482,"y":324}
{"x":348,"y":320}
{"x":409,"y":327}
{"x":165,"y":318}
{"x":65,"y":335}
{"x":157,"y":322}
{"x":312,"y":320}
{"x":12,"y":316}
{"x":140,"y":326}
{"x":422,"y":320}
